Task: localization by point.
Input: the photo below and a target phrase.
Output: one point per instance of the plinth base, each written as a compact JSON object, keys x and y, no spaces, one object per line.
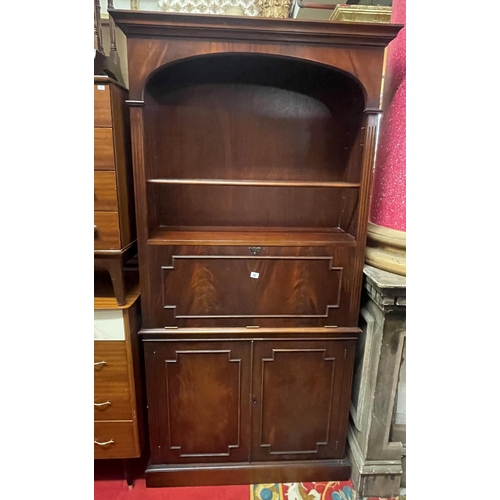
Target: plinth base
{"x":247,"y":473}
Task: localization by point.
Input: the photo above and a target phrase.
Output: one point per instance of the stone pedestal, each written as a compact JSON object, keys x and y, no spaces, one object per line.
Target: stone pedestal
{"x":375,"y":456}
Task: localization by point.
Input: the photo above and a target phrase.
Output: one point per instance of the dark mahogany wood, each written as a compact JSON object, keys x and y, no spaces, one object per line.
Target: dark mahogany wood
{"x":300,"y":395}
{"x":249,"y":285}
{"x":247,"y":473}
{"x":248,"y":401}
{"x":253,"y":145}
{"x":199,"y":401}
{"x":114,"y":217}
{"x":113,"y":261}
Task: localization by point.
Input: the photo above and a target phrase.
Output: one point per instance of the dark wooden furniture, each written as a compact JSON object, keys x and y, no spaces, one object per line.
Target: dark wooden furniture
{"x":118,"y":394}
{"x":253,"y":144}
{"x":114,"y":219}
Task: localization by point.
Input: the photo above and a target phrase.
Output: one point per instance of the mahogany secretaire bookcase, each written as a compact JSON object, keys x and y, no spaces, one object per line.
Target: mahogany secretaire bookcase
{"x":253,"y":145}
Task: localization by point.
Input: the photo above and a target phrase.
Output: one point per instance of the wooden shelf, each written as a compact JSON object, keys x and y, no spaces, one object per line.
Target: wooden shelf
{"x":238,"y":182}
{"x":250,"y":236}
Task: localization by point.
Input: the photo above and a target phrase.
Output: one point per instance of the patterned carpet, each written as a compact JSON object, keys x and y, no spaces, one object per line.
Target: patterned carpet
{"x":333,"y":490}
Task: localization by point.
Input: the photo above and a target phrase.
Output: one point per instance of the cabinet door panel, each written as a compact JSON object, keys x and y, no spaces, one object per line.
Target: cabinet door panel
{"x":300,"y":399}
{"x":199,"y":401}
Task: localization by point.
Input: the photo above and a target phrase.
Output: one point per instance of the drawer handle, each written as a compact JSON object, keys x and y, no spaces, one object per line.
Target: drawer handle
{"x":254,"y":250}
{"x":100,"y":363}
{"x":95,"y":231}
{"x":103,"y":404}
{"x":105,"y":442}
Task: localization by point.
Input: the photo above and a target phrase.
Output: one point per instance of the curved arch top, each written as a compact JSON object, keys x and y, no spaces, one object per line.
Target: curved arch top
{"x":251,"y":67}
{"x":157,"y":39}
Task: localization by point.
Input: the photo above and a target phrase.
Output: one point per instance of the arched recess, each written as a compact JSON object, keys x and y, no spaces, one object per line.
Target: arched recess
{"x":235,"y":112}
{"x":252,"y":117}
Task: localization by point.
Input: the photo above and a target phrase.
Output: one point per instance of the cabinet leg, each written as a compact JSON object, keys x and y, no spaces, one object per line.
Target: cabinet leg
{"x":127,"y":469}
{"x":115,"y":270}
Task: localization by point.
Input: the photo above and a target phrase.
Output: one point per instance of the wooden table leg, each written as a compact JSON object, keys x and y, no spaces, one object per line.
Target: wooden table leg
{"x":115,"y":269}
{"x":127,"y":469}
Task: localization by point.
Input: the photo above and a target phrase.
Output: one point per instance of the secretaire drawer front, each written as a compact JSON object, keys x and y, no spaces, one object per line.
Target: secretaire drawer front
{"x":240,"y":286}
{"x":115,"y":440}
{"x":104,"y":152}
{"x":102,"y":106}
{"x":105,"y":194}
{"x":106,"y":231}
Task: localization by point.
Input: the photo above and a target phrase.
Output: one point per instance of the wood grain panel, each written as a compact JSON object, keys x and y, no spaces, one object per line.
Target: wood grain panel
{"x":104,"y":155}
{"x":121,"y":433}
{"x":229,"y":286}
{"x":102,"y":106}
{"x":300,"y":408}
{"x":105,"y":194}
{"x":251,"y":286}
{"x":355,"y":48}
{"x":269,"y":119}
{"x":198,"y":399}
{"x":248,"y":206}
{"x":107,"y":231}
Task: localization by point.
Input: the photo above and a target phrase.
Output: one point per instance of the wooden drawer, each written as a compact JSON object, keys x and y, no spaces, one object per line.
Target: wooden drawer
{"x":104,"y":152}
{"x":111,"y":382}
{"x":112,"y":401}
{"x":110,"y":363}
{"x":106,"y":231}
{"x":102,"y":106}
{"x":124,"y":443}
{"x":201,"y":286}
{"x":105,"y":194}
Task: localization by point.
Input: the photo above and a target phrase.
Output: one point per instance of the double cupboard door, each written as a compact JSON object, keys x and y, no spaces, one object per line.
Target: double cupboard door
{"x":248,"y":400}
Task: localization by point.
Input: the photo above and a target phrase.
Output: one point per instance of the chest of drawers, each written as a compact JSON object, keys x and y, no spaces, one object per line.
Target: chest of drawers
{"x":118,"y":395}
{"x":114,"y":221}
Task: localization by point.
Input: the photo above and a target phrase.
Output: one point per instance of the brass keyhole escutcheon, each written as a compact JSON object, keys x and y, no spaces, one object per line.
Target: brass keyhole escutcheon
{"x":254,"y":250}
